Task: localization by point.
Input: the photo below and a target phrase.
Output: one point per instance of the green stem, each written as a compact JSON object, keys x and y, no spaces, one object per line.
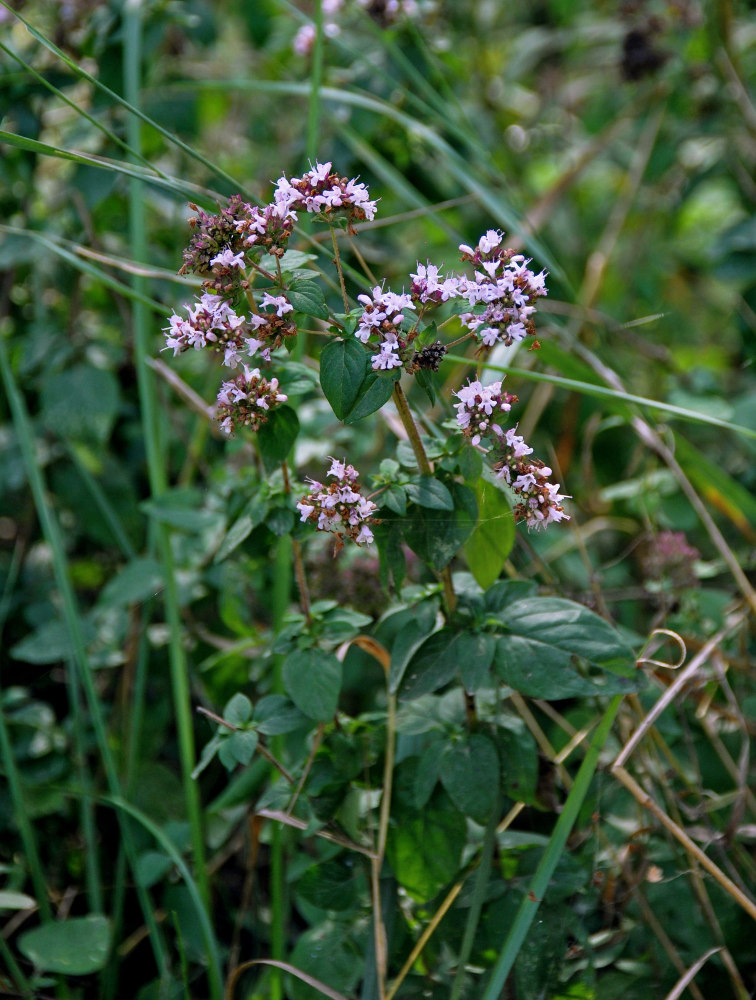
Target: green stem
{"x":339,"y":268}
{"x":281,"y":596}
{"x":426,"y":469}
{"x":405,"y":415}
{"x":380,"y":943}
{"x":22,"y":983}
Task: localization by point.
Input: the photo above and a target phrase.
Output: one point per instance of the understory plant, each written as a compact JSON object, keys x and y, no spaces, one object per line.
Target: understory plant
{"x":393,"y":811}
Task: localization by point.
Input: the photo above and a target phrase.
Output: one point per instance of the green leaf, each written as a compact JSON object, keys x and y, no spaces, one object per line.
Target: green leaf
{"x":50,"y":643}
{"x":470,"y":774}
{"x":307,"y":297}
{"x":344,"y":365}
{"x":426,"y":491}
{"x":437,"y":535}
{"x":475,"y":669}
{"x":395,"y":499}
{"x":75,"y":947}
{"x":554,"y":623}
{"x":238,"y":748}
{"x":470,"y":463}
{"x":138,"y":581}
{"x":374,"y":392}
{"x":236,"y":534}
{"x":80,"y":403}
{"x":425,"y":380}
{"x":324,"y":953}
{"x":277,"y":436}
{"x":542,"y":671}
{"x":505,"y":592}
{"x":388,"y":538}
{"x":428,"y":772}
{"x":151,"y":867}
{"x":238,"y":710}
{"x":180,"y":508}
{"x":280,"y":520}
{"x":424,"y":849}
{"x":489,"y":546}
{"x":275,"y":714}
{"x":313,"y":681}
{"x":331,"y":885}
{"x":402,"y":633}
{"x":519,"y":760}
{"x":437,"y":661}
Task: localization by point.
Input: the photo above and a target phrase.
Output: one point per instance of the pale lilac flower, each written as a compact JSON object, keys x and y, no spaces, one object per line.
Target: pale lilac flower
{"x":428,"y":286}
{"x":339,"y":507}
{"x":211,"y":323}
{"x":478,"y":403}
{"x":383,"y":316}
{"x":279,"y":302}
{"x":304,"y":39}
{"x":247,"y":400}
{"x":387,"y":358}
{"x":268,"y":228}
{"x":228,"y":259}
{"x":325,"y":193}
{"x":541,"y":501}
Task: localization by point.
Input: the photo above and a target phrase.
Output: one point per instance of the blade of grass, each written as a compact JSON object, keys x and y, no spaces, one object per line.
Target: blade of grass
{"x":81,"y":111}
{"x":393,"y":179}
{"x":21,"y":816}
{"x":156,"y":460}
{"x":86,"y":268}
{"x":614,"y":395}
{"x":213,"y":955}
{"x":168,"y":183}
{"x":316,"y":82}
{"x":102,"y":503}
{"x":500,"y":209}
{"x":52,"y":533}
{"x":15,"y":786}
{"x":554,"y":850}
{"x":135,"y":111}
{"x":482,"y":876}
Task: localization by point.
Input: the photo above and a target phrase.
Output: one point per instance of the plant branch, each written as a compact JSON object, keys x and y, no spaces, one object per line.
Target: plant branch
{"x":337,"y":262}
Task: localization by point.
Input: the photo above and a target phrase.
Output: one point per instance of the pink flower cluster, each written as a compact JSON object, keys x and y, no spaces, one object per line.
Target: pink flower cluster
{"x":385,"y":13}
{"x":502,"y":282}
{"x":500,"y":293}
{"x":381,"y":323}
{"x":323,"y":192}
{"x":478,"y":405}
{"x":213,"y":323}
{"x":541,"y":500}
{"x":267,"y":228}
{"x":339,"y":507}
{"x":247,"y":400}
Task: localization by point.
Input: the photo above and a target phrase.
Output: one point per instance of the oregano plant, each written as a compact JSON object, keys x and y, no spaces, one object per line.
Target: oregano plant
{"x":403,"y":801}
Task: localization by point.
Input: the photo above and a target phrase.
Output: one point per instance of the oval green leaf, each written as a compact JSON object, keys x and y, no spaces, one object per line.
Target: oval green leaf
{"x":75,"y":947}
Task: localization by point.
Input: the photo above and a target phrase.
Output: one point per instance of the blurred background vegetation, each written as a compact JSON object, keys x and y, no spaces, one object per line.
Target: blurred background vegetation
{"x":616,"y":143}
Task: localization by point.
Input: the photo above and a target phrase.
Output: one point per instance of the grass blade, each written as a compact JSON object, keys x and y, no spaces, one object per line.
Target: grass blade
{"x":614,"y":395}
{"x":539,"y":886}
{"x":83,"y":75}
{"x":156,"y":463}
{"x":52,"y":534}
